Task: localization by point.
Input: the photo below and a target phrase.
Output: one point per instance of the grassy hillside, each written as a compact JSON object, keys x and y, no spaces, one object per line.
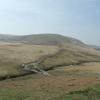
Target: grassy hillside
{"x":66,"y":51}
{"x":54,"y":52}
{"x":7,"y":37}
{"x":70,"y":56}
{"x":42,"y":39}
{"x":12,"y":55}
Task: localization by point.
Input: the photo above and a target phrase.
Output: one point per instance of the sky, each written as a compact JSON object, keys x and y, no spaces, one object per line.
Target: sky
{"x":75,"y":18}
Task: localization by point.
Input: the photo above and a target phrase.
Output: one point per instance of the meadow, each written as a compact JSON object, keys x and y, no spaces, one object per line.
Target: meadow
{"x":62,"y":84}
{"x":74,"y":72}
{"x":12,"y":55}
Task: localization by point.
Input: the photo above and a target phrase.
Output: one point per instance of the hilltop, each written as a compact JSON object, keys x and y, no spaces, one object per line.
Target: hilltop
{"x":41,"y":39}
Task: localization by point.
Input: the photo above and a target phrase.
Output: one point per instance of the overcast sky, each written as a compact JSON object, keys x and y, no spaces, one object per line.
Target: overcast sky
{"x":76,"y":18}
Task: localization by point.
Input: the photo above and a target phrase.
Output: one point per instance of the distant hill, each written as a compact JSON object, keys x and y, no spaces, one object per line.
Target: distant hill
{"x":42,"y":39}
{"x":6,"y":37}
{"x":95,"y":47}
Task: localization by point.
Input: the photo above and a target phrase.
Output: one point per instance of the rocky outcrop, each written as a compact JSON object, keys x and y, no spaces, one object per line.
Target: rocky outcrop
{"x":34,"y":67}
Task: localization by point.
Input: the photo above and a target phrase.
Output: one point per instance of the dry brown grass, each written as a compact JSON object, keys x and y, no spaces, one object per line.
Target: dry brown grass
{"x":21,"y":53}
{"x":70,"y":56}
{"x":14,"y":54}
{"x":39,"y":87}
{"x":60,"y":81}
{"x":92,"y":67}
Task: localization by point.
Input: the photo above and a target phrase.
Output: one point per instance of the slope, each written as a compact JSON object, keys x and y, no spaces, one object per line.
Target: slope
{"x":66,"y":51}
{"x":41,"y":39}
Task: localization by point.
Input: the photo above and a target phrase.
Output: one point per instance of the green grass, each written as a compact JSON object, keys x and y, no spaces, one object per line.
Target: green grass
{"x":60,"y":86}
{"x":91,"y":93}
{"x":9,"y":94}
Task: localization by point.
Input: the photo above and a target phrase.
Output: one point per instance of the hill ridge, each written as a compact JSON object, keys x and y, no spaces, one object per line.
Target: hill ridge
{"x":41,"y":39}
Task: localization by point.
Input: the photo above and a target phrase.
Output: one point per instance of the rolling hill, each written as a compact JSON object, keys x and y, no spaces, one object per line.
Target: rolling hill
{"x":51,"y":50}
{"x":41,"y":39}
{"x":95,"y":47}
{"x":62,"y":56}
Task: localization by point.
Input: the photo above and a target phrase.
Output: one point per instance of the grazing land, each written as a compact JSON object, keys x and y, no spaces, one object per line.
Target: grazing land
{"x":63,"y":84}
{"x":73,"y":67}
{"x":12,"y":55}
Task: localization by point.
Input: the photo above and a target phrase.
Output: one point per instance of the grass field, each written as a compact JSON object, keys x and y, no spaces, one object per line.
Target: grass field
{"x":72,"y":82}
{"x":68,"y":84}
{"x":12,"y":55}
